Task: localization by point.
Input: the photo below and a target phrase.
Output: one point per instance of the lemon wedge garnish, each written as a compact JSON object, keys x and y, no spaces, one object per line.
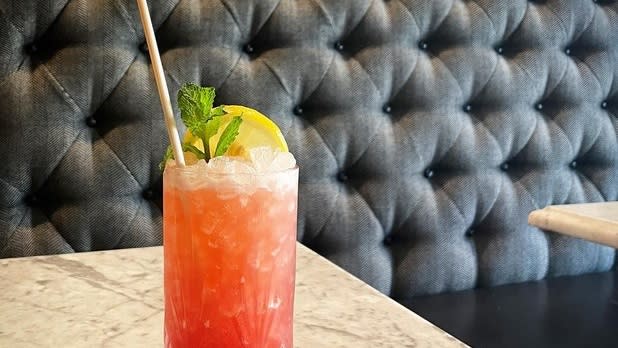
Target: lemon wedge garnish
{"x":256,"y":130}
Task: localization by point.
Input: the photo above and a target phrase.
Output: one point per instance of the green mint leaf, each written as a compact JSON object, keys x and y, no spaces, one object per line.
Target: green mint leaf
{"x":169,"y":154}
{"x":218,"y":111}
{"x":212,"y":127}
{"x":195,"y":103}
{"x":203,"y":121}
{"x":228,"y":136}
{"x":191,"y":148}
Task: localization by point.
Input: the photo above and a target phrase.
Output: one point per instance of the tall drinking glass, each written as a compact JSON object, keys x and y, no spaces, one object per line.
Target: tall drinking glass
{"x":230,"y":255}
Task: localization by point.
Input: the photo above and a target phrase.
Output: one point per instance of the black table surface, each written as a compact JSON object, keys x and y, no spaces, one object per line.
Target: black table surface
{"x":579,"y":311}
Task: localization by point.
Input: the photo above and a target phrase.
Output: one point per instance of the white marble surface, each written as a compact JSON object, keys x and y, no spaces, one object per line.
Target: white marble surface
{"x":114,"y":299}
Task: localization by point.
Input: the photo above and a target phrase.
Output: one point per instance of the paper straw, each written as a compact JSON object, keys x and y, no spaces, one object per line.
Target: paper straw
{"x":157,"y":68}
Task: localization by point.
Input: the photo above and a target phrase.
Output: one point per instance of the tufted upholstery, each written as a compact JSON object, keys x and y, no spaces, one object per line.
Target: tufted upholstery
{"x":426,"y":130}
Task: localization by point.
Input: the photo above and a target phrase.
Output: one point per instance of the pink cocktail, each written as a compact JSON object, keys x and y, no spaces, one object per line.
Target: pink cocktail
{"x":230,"y":248}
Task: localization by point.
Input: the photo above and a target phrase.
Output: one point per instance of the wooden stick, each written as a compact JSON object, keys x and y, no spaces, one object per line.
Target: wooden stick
{"x":159,"y":76}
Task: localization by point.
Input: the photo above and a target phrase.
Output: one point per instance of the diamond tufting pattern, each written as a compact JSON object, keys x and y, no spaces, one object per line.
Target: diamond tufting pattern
{"x":426,"y":130}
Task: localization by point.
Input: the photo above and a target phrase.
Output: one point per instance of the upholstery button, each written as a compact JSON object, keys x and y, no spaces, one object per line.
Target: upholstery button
{"x":499,"y":50}
{"x":573,"y":164}
{"x":428,"y":173}
{"x":604,"y":104}
{"x":423,"y":45}
{"x":504,"y":166}
{"x":467,"y":108}
{"x":339,"y":46}
{"x":567,"y":51}
{"x":539,"y":106}
{"x":298,"y":110}
{"x":469,"y":232}
{"x":148,"y":194}
{"x":388,"y":240}
{"x":32,"y":48}
{"x":32,"y":200}
{"x":91,"y":122}
{"x":144,"y":48}
{"x":342,"y":176}
{"x":248,"y":49}
{"x":387,"y":109}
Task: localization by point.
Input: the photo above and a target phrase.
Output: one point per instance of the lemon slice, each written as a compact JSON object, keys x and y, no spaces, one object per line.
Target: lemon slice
{"x":189,"y":138}
{"x":256,"y":130}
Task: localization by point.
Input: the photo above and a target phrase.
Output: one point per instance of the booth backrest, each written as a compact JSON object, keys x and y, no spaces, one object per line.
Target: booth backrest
{"x":426,"y":131}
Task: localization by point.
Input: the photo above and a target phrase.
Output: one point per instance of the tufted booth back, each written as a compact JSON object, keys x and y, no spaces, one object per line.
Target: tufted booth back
{"x":426,"y":131}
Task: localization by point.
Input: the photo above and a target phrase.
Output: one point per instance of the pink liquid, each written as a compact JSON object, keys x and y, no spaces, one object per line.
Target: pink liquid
{"x":229,"y":263}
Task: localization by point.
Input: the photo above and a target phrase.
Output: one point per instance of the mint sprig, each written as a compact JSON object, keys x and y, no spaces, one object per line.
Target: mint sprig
{"x":227,"y":137}
{"x":203,"y":121}
{"x":169,"y":154}
{"x":195,"y":103}
{"x":211,"y":128}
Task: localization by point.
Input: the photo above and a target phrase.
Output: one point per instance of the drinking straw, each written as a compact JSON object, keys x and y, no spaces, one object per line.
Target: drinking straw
{"x":157,"y":68}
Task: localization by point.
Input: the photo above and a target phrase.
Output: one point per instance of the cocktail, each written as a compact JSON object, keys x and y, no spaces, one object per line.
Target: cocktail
{"x":229,"y":230}
{"x":230,"y":192}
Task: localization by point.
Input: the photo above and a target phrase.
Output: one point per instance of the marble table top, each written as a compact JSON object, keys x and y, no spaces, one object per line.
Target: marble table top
{"x":114,"y":299}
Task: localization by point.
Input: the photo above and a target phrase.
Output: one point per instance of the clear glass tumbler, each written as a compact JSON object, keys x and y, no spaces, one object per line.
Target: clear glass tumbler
{"x":230,"y":257}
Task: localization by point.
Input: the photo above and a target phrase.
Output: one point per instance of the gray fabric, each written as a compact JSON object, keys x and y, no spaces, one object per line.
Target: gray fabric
{"x":421,"y":140}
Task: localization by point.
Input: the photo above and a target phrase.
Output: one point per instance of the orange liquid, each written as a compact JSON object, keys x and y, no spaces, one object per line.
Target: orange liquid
{"x":229,"y":264}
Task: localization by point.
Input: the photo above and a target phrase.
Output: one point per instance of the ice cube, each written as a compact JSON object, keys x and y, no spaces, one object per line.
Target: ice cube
{"x":274,"y":303}
{"x":283,"y":160}
{"x":227,"y":165}
{"x":267,"y":159}
{"x":244,"y":200}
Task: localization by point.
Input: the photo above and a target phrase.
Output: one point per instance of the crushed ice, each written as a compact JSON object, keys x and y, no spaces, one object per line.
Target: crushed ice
{"x":260,"y":160}
{"x":247,"y":172}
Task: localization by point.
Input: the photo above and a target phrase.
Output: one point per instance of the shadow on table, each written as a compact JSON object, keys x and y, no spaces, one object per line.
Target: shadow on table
{"x":562,"y":312}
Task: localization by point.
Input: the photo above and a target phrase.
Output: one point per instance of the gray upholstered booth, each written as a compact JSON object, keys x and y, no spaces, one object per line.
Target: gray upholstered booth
{"x":426,"y":131}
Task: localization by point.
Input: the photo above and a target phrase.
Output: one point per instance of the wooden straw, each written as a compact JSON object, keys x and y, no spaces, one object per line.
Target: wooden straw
{"x":164,"y":96}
